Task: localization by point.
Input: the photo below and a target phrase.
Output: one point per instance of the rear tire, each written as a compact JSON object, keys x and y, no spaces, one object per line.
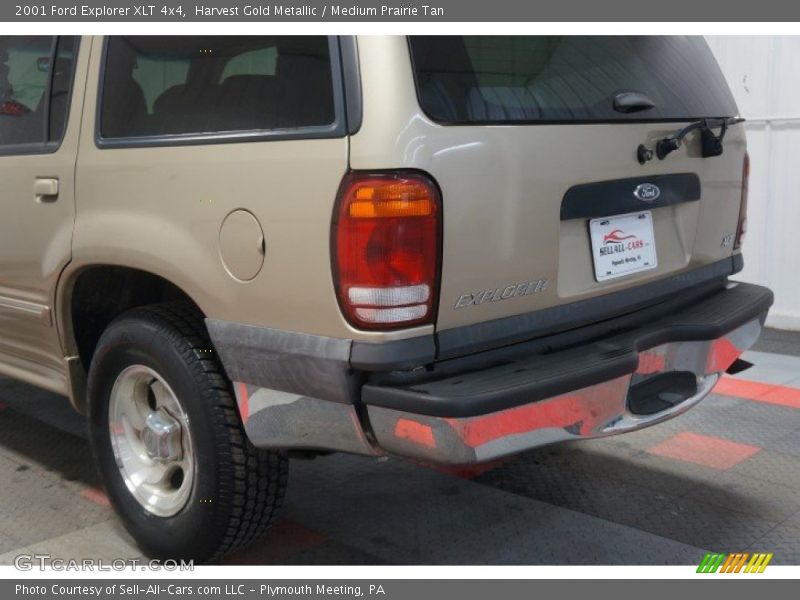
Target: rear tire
{"x":160,"y":405}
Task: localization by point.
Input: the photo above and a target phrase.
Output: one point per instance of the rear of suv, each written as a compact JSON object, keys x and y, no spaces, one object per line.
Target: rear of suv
{"x":226,"y":250}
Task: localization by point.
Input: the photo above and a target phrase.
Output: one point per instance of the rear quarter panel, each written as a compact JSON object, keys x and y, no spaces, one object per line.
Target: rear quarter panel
{"x":160,"y":209}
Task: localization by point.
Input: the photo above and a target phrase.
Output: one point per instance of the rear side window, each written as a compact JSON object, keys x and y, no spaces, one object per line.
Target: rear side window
{"x":155,"y":86}
{"x":528,"y":79}
{"x":35,"y":85}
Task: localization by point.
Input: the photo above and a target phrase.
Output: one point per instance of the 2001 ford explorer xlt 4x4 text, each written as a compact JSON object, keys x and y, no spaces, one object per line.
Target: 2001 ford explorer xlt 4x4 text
{"x":228,"y":249}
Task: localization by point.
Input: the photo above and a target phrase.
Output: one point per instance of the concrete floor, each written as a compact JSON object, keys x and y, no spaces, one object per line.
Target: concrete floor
{"x":724,"y":477}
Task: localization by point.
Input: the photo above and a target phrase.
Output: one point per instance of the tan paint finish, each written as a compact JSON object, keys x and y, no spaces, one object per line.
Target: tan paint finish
{"x":502,"y":188}
{"x":35,"y":239}
{"x":161,"y":209}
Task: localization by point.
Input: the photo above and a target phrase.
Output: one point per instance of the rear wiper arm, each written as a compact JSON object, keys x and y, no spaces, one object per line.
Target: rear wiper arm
{"x":711,"y":143}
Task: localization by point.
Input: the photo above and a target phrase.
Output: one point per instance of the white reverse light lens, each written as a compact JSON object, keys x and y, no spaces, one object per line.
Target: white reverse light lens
{"x":392,"y":315}
{"x":389,"y":296}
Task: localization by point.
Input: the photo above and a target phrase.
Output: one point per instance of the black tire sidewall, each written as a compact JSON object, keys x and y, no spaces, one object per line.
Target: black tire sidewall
{"x":194,"y":532}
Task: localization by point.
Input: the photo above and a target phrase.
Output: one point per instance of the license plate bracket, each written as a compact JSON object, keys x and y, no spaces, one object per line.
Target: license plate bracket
{"x":623,"y":245}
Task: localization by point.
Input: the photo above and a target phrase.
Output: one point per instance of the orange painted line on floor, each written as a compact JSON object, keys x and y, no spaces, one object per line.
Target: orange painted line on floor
{"x":704,"y":450}
{"x":284,"y":539}
{"x":757,"y":391}
{"x":97,"y":496}
{"x":468,"y":471}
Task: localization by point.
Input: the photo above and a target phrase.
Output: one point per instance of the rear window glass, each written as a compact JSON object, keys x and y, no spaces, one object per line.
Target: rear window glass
{"x":502,"y":79}
{"x":156,"y":85}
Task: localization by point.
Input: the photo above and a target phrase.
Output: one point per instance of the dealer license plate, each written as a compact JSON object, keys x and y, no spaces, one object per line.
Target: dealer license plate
{"x":623,"y":245}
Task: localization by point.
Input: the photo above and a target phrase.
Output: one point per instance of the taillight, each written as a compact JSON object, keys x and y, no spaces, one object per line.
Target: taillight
{"x":741,"y":227}
{"x":386,"y":247}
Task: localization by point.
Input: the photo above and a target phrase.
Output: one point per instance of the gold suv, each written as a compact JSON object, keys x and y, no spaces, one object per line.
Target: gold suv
{"x":228,"y":249}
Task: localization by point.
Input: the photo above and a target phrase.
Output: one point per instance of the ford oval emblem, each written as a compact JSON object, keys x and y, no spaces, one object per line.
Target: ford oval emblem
{"x":647,"y":192}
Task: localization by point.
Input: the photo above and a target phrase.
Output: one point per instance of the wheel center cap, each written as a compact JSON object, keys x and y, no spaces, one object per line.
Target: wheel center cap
{"x":161,"y":437}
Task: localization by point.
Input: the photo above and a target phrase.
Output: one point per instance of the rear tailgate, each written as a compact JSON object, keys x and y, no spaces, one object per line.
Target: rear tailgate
{"x":523,"y":138}
{"x":537,"y":161}
{"x":507,"y":224}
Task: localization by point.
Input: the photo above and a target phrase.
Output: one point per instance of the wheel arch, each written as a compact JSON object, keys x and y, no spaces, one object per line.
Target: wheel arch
{"x":90,"y":298}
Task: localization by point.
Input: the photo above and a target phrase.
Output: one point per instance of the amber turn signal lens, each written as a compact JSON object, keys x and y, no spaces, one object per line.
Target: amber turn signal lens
{"x":391,"y":208}
{"x":377,"y":198}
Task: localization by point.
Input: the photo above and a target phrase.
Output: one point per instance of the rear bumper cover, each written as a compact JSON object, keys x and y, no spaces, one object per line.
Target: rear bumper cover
{"x":486,"y":407}
{"x":596,"y":410}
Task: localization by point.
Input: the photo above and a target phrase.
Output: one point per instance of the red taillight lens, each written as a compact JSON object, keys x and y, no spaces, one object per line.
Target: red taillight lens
{"x":741,"y":227}
{"x":386,"y":246}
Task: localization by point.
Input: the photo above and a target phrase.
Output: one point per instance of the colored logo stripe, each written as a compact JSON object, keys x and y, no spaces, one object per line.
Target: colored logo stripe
{"x":733,"y":563}
{"x":758,"y":563}
{"x":711,"y":562}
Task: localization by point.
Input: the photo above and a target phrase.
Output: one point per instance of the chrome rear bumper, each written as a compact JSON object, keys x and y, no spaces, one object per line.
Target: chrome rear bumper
{"x":488,"y":407}
{"x":594,"y":411}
